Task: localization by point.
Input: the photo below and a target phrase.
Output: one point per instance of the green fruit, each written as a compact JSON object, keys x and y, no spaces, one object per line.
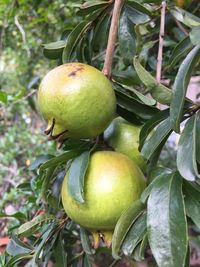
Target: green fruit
{"x":112,"y":183}
{"x":124,"y":137}
{"x":77,"y":100}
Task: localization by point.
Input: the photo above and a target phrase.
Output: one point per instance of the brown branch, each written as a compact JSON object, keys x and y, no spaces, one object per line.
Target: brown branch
{"x":107,"y":68}
{"x":181,"y":27}
{"x":161,"y":40}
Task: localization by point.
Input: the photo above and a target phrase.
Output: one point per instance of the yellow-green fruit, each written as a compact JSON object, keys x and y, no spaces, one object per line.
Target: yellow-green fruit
{"x":77,"y":99}
{"x":124,"y":137}
{"x":112,"y":183}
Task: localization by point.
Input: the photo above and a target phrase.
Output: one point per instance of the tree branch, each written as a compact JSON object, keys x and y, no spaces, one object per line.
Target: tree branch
{"x":107,"y":68}
{"x":161,"y":39}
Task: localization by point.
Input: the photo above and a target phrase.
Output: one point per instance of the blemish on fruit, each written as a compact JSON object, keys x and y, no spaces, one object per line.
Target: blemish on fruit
{"x":74,"y":72}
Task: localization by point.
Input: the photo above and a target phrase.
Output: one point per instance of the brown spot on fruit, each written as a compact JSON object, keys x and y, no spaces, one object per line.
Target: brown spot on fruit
{"x":74,"y":72}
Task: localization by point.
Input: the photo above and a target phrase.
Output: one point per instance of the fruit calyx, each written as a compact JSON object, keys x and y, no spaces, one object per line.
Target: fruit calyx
{"x":49,"y":131}
{"x":102,"y":236}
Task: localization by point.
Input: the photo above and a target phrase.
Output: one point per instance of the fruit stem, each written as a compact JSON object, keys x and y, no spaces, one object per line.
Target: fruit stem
{"x":107,"y":68}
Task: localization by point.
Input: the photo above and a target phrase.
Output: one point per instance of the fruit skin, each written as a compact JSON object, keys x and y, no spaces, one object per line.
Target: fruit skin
{"x":79,"y":98}
{"x":112,"y":183}
{"x":124,"y":137}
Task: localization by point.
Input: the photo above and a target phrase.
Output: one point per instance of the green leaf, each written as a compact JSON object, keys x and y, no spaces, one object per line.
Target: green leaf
{"x":156,"y":176}
{"x":40,"y":160}
{"x":198,"y":136}
{"x":54,"y":50}
{"x":158,"y":91}
{"x":186,"y":154}
{"x":192,"y":203}
{"x":185,"y":17}
{"x":59,"y":253}
{"x":123,"y":225}
{"x":128,"y":115}
{"x":17,"y":215}
{"x":60,"y":159}
{"x":135,"y":15}
{"x":126,"y":38}
{"x":28,"y":228}
{"x":18,"y":258}
{"x":179,"y":51}
{"x":85,"y":242}
{"x":88,"y":7}
{"x":180,"y":86}
{"x":3,"y":97}
{"x":138,"y":6}
{"x":73,"y":39}
{"x":86,"y":261}
{"x":76,"y":176}
{"x":151,"y":124}
{"x":166,"y":222}
{"x":158,"y":136}
{"x":16,"y":247}
{"x":135,"y":235}
{"x":139,"y":253}
{"x":195,"y":35}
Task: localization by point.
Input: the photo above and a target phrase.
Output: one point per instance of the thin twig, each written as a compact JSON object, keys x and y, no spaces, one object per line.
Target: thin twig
{"x":107,"y":68}
{"x":161,"y":39}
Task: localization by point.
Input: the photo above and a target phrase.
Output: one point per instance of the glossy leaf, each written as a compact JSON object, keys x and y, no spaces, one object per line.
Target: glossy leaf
{"x":16,"y":259}
{"x":180,"y":87}
{"x":123,"y":225}
{"x":135,"y":235}
{"x":77,"y":171}
{"x":60,"y":254}
{"x":91,"y":6}
{"x":17,"y":215}
{"x":60,"y":159}
{"x":138,"y":6}
{"x":16,"y":247}
{"x":195,"y":35}
{"x":185,"y":17}
{"x":192,"y":203}
{"x":39,"y":160}
{"x":161,"y":133}
{"x":30,"y":227}
{"x":73,"y":39}
{"x":128,"y":115}
{"x":198,"y":136}
{"x":85,"y":242}
{"x":186,"y":154}
{"x":139,"y":253}
{"x":3,"y":97}
{"x":126,"y":38}
{"x":158,"y":91}
{"x":151,"y":124}
{"x":54,"y":50}
{"x":135,"y":15}
{"x":179,"y":51}
{"x":166,"y":222}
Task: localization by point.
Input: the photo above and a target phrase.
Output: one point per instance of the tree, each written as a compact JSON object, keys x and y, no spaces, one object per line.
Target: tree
{"x":132,"y":42}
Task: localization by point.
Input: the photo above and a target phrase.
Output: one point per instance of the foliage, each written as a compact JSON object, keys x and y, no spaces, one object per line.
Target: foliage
{"x":172,"y":199}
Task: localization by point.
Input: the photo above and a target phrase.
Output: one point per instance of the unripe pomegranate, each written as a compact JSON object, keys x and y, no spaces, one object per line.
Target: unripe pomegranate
{"x":77,"y":100}
{"x":112,"y":183}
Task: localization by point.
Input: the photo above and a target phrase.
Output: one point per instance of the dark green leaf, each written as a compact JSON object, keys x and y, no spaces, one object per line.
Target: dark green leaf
{"x":195,"y":35}
{"x":16,"y":247}
{"x":86,"y":261}
{"x":185,"y":17}
{"x":3,"y":97}
{"x":85,"y":242}
{"x":17,"y":215}
{"x":186,"y":154}
{"x":192,"y":203}
{"x":135,"y":15}
{"x":77,"y":171}
{"x":158,"y":91}
{"x":139,"y":253}
{"x":166,"y":222}
{"x":60,"y":254}
{"x":88,"y":7}
{"x":138,"y":6}
{"x":156,"y":176}
{"x":180,"y":86}
{"x":32,"y":226}
{"x":60,"y":159}
{"x":73,"y":39}
{"x":126,"y":38}
{"x":123,"y":225}
{"x":179,"y":51}
{"x":198,"y":136}
{"x":54,"y":50}
{"x":18,"y":258}
{"x":135,"y":235}
{"x":39,"y":160}
{"x":161,"y":133}
{"x":128,"y":115}
{"x":151,"y":124}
